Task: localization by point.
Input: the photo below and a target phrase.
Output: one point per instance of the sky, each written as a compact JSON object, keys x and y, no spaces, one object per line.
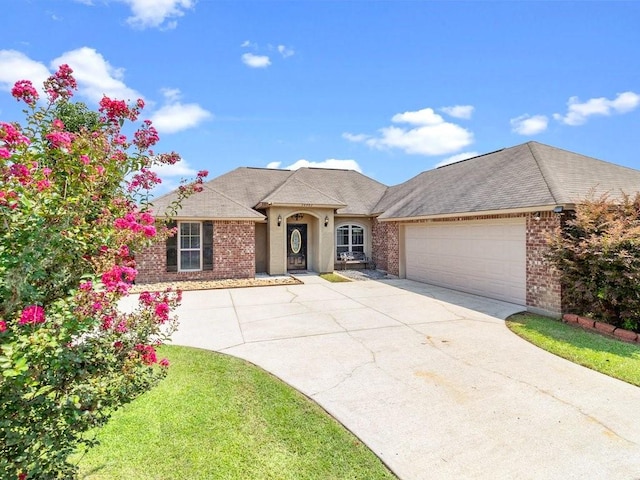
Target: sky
{"x":388,"y":88}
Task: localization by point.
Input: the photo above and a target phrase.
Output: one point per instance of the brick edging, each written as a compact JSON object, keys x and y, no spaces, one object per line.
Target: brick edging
{"x":601,"y":327}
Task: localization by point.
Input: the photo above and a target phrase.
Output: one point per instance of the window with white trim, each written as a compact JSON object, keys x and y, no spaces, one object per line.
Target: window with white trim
{"x":191,"y":248}
{"x":349,"y":238}
{"x":190,"y":251}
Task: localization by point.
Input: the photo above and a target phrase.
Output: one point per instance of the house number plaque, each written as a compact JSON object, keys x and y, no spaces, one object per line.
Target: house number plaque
{"x":296,"y":241}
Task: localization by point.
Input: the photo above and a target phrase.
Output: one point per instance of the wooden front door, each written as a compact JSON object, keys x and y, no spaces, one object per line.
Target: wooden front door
{"x":296,"y":247}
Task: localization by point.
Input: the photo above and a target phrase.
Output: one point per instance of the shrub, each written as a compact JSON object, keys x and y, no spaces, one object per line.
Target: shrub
{"x":73,"y":208}
{"x":598,"y":256}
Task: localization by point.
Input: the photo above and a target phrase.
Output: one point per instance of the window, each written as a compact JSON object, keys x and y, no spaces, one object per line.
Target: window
{"x":349,"y":238}
{"x":191,"y":248}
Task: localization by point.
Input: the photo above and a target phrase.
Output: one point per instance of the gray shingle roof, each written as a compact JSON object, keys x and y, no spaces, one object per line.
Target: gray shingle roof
{"x":209,"y":203}
{"x":295,"y":192}
{"x":525,"y":176}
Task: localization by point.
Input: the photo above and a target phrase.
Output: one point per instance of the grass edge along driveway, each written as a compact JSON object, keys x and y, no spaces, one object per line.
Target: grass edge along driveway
{"x":219,"y":417}
{"x":606,"y":355}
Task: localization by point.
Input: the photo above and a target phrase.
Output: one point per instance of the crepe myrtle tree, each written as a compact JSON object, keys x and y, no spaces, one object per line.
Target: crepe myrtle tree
{"x":74,"y":205}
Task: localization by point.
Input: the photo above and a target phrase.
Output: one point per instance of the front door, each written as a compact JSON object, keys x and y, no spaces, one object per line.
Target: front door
{"x":296,"y":247}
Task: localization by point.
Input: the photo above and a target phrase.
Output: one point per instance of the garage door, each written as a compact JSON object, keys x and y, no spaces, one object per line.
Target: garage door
{"x":483,"y":258}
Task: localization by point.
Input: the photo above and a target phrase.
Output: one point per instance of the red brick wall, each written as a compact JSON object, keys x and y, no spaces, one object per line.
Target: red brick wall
{"x":379,"y":243}
{"x":385,"y":246}
{"x":233,"y":256}
{"x":393,"y":248}
{"x":543,"y":280}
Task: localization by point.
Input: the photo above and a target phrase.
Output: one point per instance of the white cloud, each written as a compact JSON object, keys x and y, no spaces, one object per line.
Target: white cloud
{"x":157,"y":13}
{"x":355,"y":138}
{"x":329,"y":163}
{"x":430,"y":136}
{"x":578,"y":113}
{"x":285,"y":51}
{"x":256,"y":61}
{"x":176,"y":116}
{"x":426,"y":116}
{"x":95,"y":76}
{"x":529,"y":125}
{"x":16,"y":66}
{"x":459,"y":111}
{"x":171,"y":94}
{"x":456,"y":158}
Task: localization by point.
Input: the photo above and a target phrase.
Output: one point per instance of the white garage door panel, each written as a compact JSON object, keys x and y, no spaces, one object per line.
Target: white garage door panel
{"x":483,"y":258}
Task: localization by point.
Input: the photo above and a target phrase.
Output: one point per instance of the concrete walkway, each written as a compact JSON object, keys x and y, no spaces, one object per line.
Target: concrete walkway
{"x":430,"y":379}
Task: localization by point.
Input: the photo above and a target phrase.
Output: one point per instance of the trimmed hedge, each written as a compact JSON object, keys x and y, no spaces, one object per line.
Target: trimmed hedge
{"x":598,"y":255}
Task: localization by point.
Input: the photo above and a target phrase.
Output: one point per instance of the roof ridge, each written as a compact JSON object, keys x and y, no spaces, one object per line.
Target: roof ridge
{"x":543,"y":169}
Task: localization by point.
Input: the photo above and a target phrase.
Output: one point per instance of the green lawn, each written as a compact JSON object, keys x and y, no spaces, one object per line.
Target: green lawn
{"x":334,"y":277}
{"x":218,"y":417}
{"x":612,"y":357}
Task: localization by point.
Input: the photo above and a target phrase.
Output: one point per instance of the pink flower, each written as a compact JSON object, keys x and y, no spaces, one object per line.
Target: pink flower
{"x":4,"y":153}
{"x":146,"y":179}
{"x":32,"y":315}
{"x":146,"y":137}
{"x":162,"y":311}
{"x":147,"y":353}
{"x":3,"y":326}
{"x":121,"y":327}
{"x":61,"y":83}
{"x":114,"y":110}
{"x":85,"y":159}
{"x":149,"y":230}
{"x":146,"y":298}
{"x":43,"y":185}
{"x":23,"y":90}
{"x":21,"y":173}
{"x":124,"y":251}
{"x":60,"y":139}
{"x":11,"y":136}
{"x":168,"y":158}
{"x":107,"y":322}
{"x":164,"y":363}
{"x":86,"y":286}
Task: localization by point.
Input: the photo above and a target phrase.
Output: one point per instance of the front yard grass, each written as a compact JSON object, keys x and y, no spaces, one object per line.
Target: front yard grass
{"x":606,"y":355}
{"x":334,"y":277}
{"x":219,"y":417}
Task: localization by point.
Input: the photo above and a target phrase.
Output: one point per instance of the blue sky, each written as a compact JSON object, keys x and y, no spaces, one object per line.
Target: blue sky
{"x":391,"y":88}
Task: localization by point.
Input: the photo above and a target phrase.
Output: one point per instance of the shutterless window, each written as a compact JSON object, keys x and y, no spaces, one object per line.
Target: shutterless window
{"x":349,"y":238}
{"x":190,"y":246}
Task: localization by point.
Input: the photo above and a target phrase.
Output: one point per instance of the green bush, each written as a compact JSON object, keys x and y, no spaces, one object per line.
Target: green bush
{"x":598,"y":256}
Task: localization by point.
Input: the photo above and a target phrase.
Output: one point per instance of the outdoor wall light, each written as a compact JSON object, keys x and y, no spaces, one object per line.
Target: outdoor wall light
{"x":326,"y":220}
{"x":279,"y":220}
{"x":536,"y":216}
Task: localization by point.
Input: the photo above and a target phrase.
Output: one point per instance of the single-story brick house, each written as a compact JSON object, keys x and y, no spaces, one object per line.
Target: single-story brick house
{"x":478,"y":225}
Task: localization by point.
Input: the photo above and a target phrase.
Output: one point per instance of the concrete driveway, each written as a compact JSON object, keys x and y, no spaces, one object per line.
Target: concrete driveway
{"x":430,"y":379}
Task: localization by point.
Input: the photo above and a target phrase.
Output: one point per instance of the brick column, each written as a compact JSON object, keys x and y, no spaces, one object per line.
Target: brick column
{"x":544,"y":291}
